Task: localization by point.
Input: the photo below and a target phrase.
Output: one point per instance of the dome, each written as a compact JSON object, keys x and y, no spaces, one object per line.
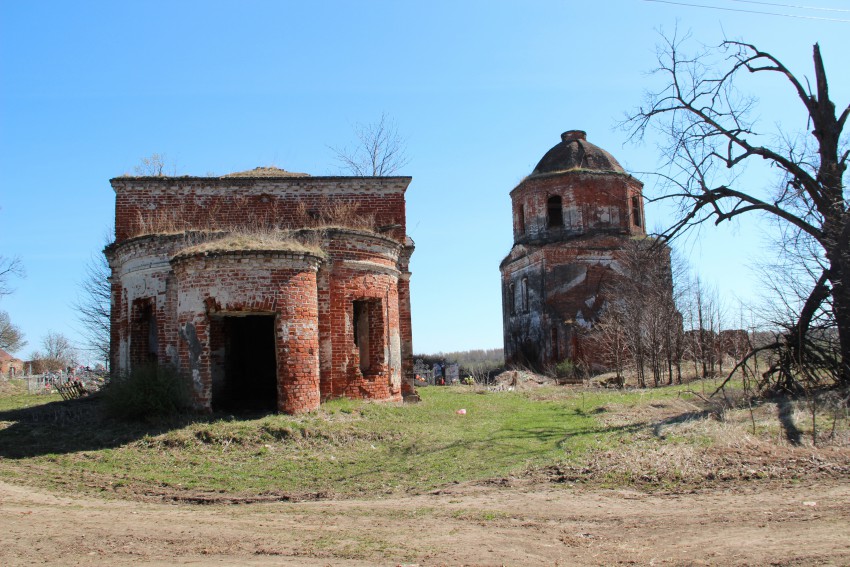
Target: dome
{"x":575,"y":152}
{"x":266,"y":172}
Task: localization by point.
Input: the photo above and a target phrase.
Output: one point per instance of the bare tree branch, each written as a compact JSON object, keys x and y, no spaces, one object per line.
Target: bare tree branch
{"x":93,"y":306}
{"x":380,"y":150}
{"x":9,"y":267}
{"x":157,"y":165}
{"x":11,"y":337}
{"x":56,"y":355}
{"x":705,"y":121}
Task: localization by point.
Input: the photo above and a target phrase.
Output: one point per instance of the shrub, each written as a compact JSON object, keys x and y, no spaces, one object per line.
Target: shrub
{"x":566,"y":369}
{"x":148,"y":391}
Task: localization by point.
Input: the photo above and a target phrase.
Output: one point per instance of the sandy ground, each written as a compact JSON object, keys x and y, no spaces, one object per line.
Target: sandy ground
{"x":757,"y":523}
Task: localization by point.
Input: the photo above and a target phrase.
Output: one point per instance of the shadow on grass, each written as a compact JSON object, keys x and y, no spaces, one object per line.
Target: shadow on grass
{"x":658,"y":426}
{"x":514,"y":445}
{"x":62,"y":427}
{"x":511,"y":444}
{"x":785,"y":414}
{"x":65,"y":427}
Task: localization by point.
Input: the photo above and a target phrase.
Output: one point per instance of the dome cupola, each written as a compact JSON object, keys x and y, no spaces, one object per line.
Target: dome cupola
{"x":574,"y":152}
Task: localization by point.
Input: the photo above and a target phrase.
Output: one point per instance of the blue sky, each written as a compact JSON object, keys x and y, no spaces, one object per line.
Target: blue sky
{"x":480,"y":90}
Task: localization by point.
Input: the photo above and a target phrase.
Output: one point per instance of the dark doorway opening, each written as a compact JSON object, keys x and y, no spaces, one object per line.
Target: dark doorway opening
{"x":248,"y":381}
{"x":144,"y":344}
{"x":369,"y":335}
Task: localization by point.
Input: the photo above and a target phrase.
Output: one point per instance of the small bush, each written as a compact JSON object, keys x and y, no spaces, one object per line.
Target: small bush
{"x":566,"y":369}
{"x":146,"y":392}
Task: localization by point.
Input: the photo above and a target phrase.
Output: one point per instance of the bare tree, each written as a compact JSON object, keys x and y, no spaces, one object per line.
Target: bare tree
{"x":11,"y":337}
{"x":795,"y":270}
{"x":379,"y":150}
{"x":93,"y":306}
{"x":703,"y":313}
{"x":641,"y":323}
{"x":711,"y":134}
{"x":9,"y":267}
{"x":57,"y":353}
{"x":154,"y":166}
{"x":608,"y":338}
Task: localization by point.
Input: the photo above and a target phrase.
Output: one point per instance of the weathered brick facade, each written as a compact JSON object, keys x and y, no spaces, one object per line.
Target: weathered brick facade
{"x":9,"y":365}
{"x":265,"y":289}
{"x":571,"y":219}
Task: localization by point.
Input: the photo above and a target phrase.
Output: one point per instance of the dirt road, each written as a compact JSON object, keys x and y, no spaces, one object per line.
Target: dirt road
{"x":532,"y":524}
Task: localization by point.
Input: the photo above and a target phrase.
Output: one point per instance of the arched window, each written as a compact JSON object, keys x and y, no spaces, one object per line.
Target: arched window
{"x":512,"y":299}
{"x":555,"y":211}
{"x":524,"y":291}
{"x":636,"y":211}
{"x":521,"y":220}
{"x":144,"y":343}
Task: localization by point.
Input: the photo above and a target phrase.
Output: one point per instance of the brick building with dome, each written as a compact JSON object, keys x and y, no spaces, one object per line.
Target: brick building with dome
{"x":266,"y":289}
{"x":572,"y":217}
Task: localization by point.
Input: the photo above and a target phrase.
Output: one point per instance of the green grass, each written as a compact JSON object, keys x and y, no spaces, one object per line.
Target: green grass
{"x":14,"y":395}
{"x":346,"y":448}
{"x":354,"y":447}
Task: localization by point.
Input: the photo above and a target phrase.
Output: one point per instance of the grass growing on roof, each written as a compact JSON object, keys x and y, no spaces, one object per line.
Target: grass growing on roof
{"x":271,"y":241}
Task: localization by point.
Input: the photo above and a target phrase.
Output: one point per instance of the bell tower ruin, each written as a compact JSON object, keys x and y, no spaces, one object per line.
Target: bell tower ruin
{"x":572,"y":218}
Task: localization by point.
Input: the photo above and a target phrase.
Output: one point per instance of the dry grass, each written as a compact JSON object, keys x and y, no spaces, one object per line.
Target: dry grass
{"x":653,"y":439}
{"x":267,"y":241}
{"x":676,"y":443}
{"x":266,"y":172}
{"x":263,"y":233}
{"x":328,"y":213}
{"x":334,"y":213}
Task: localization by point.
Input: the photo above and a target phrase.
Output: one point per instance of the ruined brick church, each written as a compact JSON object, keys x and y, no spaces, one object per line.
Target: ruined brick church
{"x":266,"y":289}
{"x":572,"y":217}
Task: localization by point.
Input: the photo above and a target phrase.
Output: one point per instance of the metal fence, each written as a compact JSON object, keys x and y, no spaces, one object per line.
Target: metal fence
{"x":46,"y":383}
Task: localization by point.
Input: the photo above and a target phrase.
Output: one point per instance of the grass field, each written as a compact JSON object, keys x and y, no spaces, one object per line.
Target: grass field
{"x":351,"y":448}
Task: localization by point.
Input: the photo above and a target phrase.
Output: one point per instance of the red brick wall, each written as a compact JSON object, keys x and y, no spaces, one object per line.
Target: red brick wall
{"x":591,"y":202}
{"x":343,"y":375}
{"x":140,"y":273}
{"x":406,"y":333}
{"x":298,"y":341}
{"x":566,"y":267}
{"x":262,"y":283}
{"x":151,"y":204}
{"x":312,"y":298}
{"x":404,"y":317}
{"x":360,"y":267}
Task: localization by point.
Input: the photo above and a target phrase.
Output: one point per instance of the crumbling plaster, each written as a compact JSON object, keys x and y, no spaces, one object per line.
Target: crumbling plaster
{"x":571,"y":220}
{"x":164,"y":281}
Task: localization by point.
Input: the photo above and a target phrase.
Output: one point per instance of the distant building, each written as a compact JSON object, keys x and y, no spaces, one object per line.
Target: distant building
{"x":10,"y":366}
{"x":572,"y":217}
{"x":267,"y":289}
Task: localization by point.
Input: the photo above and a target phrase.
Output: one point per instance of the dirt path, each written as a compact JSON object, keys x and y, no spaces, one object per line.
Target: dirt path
{"x":540,"y":524}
